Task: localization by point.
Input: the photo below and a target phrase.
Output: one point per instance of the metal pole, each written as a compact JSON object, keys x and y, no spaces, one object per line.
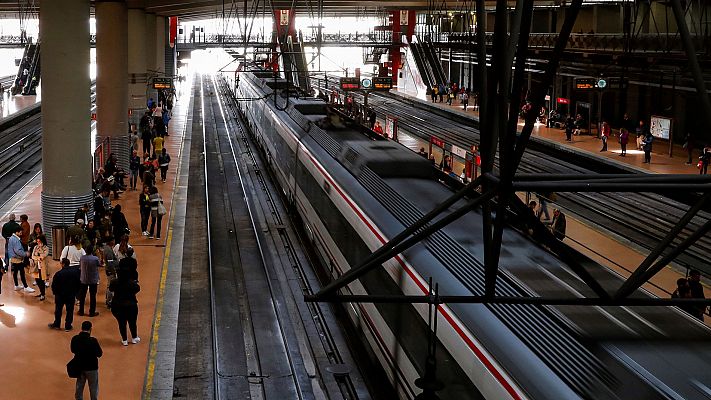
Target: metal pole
{"x":693,"y":63}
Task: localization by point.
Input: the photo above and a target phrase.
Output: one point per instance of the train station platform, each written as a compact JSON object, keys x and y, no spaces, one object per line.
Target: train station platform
{"x":39,"y":355}
{"x":10,"y":105}
{"x":661,"y":163}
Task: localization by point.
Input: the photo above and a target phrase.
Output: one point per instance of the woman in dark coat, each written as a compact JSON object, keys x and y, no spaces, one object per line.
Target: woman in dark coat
{"x":118,"y":222}
{"x":124,"y":305}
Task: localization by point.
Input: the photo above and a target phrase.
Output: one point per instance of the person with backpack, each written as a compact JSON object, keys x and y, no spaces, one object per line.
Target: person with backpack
{"x":157,"y":212}
{"x":146,"y":127}
{"x":124,"y":306}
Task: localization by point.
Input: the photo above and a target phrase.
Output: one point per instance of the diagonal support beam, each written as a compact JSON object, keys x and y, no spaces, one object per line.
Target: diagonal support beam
{"x":398,"y":244}
{"x":635,"y":280}
{"x":666,"y":259}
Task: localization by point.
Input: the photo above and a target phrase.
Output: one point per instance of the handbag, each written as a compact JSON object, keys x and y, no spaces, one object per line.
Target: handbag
{"x":161,"y":209}
{"x":73,"y":368}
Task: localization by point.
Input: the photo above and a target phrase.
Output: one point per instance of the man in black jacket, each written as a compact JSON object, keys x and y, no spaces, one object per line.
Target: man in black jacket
{"x":65,"y":286}
{"x":558,"y":224}
{"x":87,"y":351}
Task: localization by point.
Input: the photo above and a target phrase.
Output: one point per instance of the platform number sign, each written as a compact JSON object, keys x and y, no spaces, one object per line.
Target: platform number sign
{"x":283,"y":17}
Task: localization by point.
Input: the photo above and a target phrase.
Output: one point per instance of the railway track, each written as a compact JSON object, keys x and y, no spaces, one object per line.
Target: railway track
{"x":256,"y":338}
{"x":639,"y":219}
{"x":21,"y":148}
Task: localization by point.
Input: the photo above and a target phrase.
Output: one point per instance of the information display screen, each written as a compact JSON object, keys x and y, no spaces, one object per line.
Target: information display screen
{"x":382,"y":83}
{"x":585,"y":83}
{"x":350,"y":83}
{"x":162,"y":83}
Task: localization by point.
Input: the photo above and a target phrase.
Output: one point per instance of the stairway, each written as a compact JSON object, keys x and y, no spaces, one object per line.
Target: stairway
{"x":28,"y":72}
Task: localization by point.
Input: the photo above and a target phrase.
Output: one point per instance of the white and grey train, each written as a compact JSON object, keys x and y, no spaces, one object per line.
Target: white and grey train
{"x":354,"y":193}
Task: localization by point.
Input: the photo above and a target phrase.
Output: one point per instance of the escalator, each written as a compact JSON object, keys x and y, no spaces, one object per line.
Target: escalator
{"x":33,"y":77}
{"x":422,"y":65}
{"x":27,"y":67}
{"x":433,"y":60}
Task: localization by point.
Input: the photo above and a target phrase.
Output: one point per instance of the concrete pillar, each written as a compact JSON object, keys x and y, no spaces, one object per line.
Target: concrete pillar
{"x":137,"y":77}
{"x":66,"y":119}
{"x":111,"y":78}
{"x":160,"y":44}
{"x":150,"y":44}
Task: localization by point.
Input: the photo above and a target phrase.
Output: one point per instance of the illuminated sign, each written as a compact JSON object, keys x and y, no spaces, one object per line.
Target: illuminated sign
{"x":162,"y":83}
{"x":366,"y":83}
{"x":585,"y":83}
{"x":601,"y":83}
{"x":563,"y":100}
{"x":350,"y":84}
{"x":382,"y":83}
{"x":283,"y":17}
{"x":437,"y":141}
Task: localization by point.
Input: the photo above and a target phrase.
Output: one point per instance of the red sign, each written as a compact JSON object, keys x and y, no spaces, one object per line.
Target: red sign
{"x":173,"y":30}
{"x":437,"y":141}
{"x":563,"y":100}
{"x":93,"y":116}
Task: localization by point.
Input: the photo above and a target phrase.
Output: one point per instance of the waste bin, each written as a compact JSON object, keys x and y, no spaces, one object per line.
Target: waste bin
{"x":59,"y":240}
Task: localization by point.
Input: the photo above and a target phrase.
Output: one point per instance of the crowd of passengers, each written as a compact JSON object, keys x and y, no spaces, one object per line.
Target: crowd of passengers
{"x":97,"y":241}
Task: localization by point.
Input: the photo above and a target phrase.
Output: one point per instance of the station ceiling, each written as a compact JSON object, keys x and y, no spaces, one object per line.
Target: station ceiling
{"x":201,"y":9}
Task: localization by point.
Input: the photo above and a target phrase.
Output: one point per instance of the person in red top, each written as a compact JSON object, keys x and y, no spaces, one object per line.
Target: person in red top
{"x":604,"y":134}
{"x":378,"y":129}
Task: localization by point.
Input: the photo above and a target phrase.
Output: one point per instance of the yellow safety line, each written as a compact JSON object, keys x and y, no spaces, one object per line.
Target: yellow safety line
{"x":150,"y":369}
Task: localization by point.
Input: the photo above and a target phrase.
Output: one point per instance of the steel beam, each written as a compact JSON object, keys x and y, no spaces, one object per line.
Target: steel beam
{"x":399,"y":243}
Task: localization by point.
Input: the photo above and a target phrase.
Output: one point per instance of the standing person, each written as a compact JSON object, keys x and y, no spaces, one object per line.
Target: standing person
{"x":433,"y":92}
{"x":647,"y":147}
{"x":17,"y":255}
{"x":688,"y":146}
{"x":166,"y":121}
{"x":26,"y":230}
{"x":163,"y":163}
{"x":133,"y":140}
{"x":543,"y":201}
{"x":558,"y":224}
{"x":144,"y":204}
{"x":157,"y":211}
{"x":569,"y":127}
{"x":65,"y":286}
{"x":641,"y":131}
{"x":73,"y":251}
{"x":134,"y":166}
{"x":121,"y":250}
{"x":704,"y":159}
{"x":422,"y":152}
{"x":441,"y":91}
{"x":697,"y":292}
{"x":3,"y":270}
{"x":87,"y":352}
{"x":119,"y":224}
{"x":128,"y":265}
{"x":683,"y":292}
{"x":465,"y":100}
{"x":124,"y":306}
{"x":89,"y":278}
{"x":146,"y":127}
{"x":82,"y":213}
{"x":604,"y":135}
{"x":39,"y":260}
{"x":158,"y":145}
{"x":8,"y":229}
{"x":372,"y":117}
{"x":624,"y":138}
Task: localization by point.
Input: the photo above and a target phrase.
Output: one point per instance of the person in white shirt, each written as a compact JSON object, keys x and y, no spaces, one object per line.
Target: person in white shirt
{"x":73,"y":251}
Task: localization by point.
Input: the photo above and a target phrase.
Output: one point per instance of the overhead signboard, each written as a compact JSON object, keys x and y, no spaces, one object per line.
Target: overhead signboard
{"x":458,"y":151}
{"x":350,"y":83}
{"x":563,"y":100}
{"x":366,"y":84}
{"x":162,"y":83}
{"x":382,"y":83}
{"x":437,"y":141}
